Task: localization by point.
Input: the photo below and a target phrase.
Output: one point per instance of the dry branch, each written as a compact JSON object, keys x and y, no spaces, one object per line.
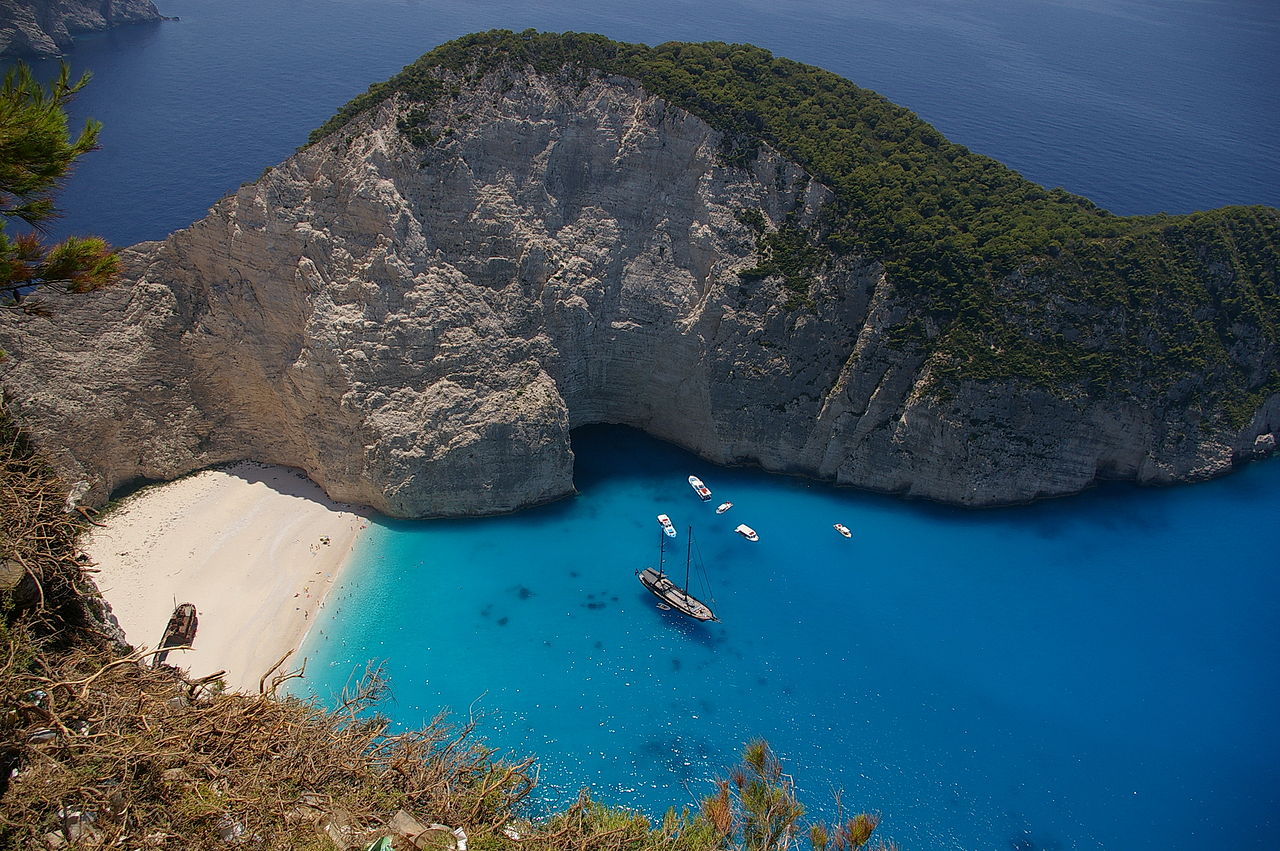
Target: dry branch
{"x":165,"y":762}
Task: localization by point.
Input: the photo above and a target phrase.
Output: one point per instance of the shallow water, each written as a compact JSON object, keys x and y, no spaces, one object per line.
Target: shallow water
{"x":1098,"y":671}
{"x":1090,"y":672}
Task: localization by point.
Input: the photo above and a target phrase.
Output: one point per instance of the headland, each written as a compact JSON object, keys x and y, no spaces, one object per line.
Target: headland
{"x":756,"y":260}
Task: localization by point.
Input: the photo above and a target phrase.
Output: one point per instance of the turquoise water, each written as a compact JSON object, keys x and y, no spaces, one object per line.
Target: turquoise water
{"x":1094,"y":672}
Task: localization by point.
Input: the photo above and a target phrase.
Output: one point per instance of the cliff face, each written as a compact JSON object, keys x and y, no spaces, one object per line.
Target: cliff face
{"x":419,"y":326}
{"x":46,"y":28}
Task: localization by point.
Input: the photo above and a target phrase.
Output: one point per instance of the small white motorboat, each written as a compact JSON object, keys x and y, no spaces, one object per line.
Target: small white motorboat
{"x":843,"y":530}
{"x":699,"y":488}
{"x":723,"y":507}
{"x":747,"y":532}
{"x":666,"y":525}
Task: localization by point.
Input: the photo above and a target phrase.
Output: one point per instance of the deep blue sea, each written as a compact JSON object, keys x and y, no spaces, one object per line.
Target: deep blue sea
{"x":1140,"y":105}
{"x":1095,"y":672}
{"x":1101,"y":671}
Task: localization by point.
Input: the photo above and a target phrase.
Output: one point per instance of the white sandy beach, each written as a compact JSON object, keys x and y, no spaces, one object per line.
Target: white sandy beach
{"x":255,"y":547}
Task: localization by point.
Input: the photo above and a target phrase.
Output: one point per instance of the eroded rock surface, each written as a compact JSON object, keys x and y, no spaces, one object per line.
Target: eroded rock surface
{"x":418,"y":327}
{"x":46,"y":28}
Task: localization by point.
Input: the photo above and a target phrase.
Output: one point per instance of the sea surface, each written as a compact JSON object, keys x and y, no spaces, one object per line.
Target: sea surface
{"x":1101,"y":671}
{"x":1140,"y":105}
{"x":1092,"y":672}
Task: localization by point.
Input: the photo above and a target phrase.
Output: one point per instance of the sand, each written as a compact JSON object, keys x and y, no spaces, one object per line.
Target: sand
{"x":254,"y":547}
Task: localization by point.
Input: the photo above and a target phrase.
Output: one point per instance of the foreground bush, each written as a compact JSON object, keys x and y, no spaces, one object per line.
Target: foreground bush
{"x":100,"y":748}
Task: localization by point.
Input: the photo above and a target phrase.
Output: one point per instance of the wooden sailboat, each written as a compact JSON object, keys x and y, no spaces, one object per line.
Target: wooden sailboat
{"x":672,"y":595}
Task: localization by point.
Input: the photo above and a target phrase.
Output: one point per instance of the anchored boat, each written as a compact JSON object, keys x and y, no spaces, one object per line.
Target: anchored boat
{"x":671,"y":595}
{"x":666,"y":525}
{"x":747,"y":532}
{"x":699,"y":488}
{"x":843,"y":530}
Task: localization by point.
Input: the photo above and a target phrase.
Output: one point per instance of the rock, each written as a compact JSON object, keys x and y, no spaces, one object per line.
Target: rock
{"x":23,"y":589}
{"x":442,"y":836}
{"x":1264,"y":445}
{"x":406,"y":825}
{"x":176,"y":776}
{"x":427,"y":836}
{"x":336,"y":827}
{"x":46,"y":28}
{"x":303,"y":814}
{"x":419,"y":328}
{"x":230,"y":829}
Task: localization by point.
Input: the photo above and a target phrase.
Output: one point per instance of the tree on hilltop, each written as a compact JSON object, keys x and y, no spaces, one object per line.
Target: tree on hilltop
{"x":36,"y":155}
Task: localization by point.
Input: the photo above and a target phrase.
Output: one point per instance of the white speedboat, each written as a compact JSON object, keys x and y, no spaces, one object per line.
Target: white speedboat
{"x":843,"y":530}
{"x":699,"y":488}
{"x":723,"y":507}
{"x":747,"y":532}
{"x":666,"y":525}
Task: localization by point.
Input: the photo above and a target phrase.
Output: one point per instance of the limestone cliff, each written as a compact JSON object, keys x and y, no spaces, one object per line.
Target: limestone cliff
{"x":46,"y":28}
{"x":417,"y":309}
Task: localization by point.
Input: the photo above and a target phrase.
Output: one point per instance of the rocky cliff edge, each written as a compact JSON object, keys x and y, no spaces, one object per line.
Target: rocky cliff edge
{"x":47,"y":28}
{"x":419,"y":322}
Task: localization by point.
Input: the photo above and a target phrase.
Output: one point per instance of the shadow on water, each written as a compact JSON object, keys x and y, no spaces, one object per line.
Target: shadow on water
{"x":679,"y":755}
{"x":706,"y":634}
{"x":1110,"y":506}
{"x":121,"y":40}
{"x":595,"y":450}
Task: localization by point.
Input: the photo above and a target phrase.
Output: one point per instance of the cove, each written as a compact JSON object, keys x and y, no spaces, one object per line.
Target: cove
{"x":1098,"y":671}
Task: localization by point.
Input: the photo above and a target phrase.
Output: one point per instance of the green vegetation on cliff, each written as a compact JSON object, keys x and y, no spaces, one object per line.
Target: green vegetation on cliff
{"x":1006,"y":279}
{"x":37,"y":152}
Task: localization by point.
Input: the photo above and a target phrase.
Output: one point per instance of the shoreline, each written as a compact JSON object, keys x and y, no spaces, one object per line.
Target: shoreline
{"x":255,"y":547}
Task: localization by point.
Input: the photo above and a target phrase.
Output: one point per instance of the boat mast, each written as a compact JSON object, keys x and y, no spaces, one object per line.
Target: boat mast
{"x":662,"y":534}
{"x":688,"y":552}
